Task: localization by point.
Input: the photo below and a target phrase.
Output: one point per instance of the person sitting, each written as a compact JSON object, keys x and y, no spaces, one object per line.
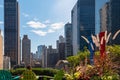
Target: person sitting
{"x":28,"y":74}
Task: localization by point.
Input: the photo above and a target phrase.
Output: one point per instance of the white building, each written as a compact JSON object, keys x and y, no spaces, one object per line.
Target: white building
{"x":6,"y":63}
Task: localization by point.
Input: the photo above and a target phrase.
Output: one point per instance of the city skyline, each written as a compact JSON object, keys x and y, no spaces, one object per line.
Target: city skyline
{"x":50,"y":25}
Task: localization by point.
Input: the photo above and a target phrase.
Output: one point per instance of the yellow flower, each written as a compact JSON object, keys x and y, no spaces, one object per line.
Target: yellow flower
{"x":68,"y":77}
{"x":77,"y":75}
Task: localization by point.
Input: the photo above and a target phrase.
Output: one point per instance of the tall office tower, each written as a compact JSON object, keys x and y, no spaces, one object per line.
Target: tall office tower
{"x":68,"y":40}
{"x":115,"y":19}
{"x":11,"y":31}
{"x":26,"y":50}
{"x":44,"y":57}
{"x":61,"y":50}
{"x":83,"y":23}
{"x":57,"y":45}
{"x":1,"y":51}
{"x":40,"y":51}
{"x":104,"y":18}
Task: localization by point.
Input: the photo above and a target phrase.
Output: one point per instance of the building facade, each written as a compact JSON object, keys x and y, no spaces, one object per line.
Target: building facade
{"x":115,"y":19}
{"x":1,"y":51}
{"x":40,"y":51}
{"x":26,"y":50}
{"x":11,"y":31}
{"x":61,"y":48}
{"x":6,"y":63}
{"x":74,"y":15}
{"x":83,"y":23}
{"x":104,"y":18}
{"x":52,"y":57}
{"x":68,"y":40}
{"x":44,"y":57}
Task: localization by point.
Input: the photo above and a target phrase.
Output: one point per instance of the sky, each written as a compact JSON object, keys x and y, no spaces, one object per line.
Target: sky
{"x":43,"y":20}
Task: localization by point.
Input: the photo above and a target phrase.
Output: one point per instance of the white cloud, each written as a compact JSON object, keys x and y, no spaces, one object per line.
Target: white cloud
{"x":36,"y":24}
{"x":56,"y":26}
{"x":39,"y":32}
{"x":1,"y":6}
{"x":25,"y":15}
{"x":51,"y":31}
{"x":42,"y":33}
{"x":49,"y":28}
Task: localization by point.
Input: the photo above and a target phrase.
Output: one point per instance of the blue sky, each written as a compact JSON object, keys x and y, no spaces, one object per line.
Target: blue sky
{"x":43,"y":20}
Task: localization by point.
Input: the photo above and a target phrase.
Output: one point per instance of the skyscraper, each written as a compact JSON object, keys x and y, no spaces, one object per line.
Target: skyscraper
{"x":1,"y":51}
{"x":68,"y":40}
{"x":40,"y":51}
{"x":44,"y":56}
{"x":11,"y":31}
{"x":26,"y":50}
{"x":83,"y":23}
{"x":52,"y":57}
{"x":115,"y":19}
{"x":104,"y":18}
{"x":61,"y":48}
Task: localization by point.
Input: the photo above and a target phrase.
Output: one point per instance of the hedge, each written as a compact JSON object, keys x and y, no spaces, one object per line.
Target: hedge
{"x":37,"y":71}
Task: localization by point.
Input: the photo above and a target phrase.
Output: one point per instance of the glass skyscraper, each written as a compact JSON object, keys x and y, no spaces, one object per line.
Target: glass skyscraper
{"x":11,"y":31}
{"x":68,"y":40}
{"x":115,"y":19}
{"x":83,"y":22}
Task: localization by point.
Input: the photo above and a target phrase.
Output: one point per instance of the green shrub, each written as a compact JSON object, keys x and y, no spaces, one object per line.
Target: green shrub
{"x":37,"y":71}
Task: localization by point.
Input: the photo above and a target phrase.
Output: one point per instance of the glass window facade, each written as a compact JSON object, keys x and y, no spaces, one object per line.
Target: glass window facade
{"x":83,"y":21}
{"x":68,"y":40}
{"x":11,"y":30}
{"x":115,"y":19}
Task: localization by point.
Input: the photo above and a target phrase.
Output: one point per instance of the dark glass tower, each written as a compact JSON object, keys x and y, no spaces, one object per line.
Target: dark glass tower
{"x":115,"y":19}
{"x":68,"y":40}
{"x":11,"y":31}
{"x":83,"y":22}
{"x":86,"y":18}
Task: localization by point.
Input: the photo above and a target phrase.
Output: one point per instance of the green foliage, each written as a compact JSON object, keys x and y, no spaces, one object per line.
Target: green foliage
{"x":106,"y":68}
{"x":37,"y":71}
{"x":83,"y":54}
{"x":59,"y":75}
{"x":45,"y":71}
{"x":18,"y":71}
{"x":28,"y":75}
{"x":75,"y":60}
{"x":108,"y":76}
